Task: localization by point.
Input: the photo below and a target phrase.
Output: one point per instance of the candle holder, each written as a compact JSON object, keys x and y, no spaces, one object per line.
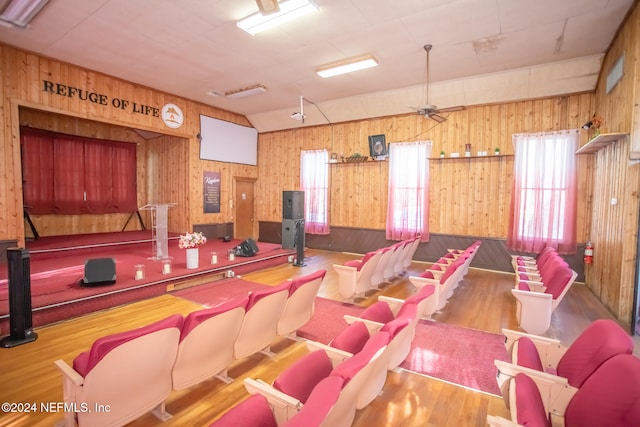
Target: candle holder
{"x":139,"y":274}
{"x":214,"y":257}
{"x":166,"y":266}
{"x":231,"y":254}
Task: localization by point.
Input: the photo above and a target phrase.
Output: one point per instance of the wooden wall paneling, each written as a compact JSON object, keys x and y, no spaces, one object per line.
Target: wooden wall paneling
{"x":270,"y":172}
{"x":12,"y":224}
{"x":5,"y":148}
{"x":614,"y":228}
{"x":603,"y":277}
{"x":168,"y":175}
{"x":509,"y":119}
{"x":436,"y":190}
{"x":630,"y":210}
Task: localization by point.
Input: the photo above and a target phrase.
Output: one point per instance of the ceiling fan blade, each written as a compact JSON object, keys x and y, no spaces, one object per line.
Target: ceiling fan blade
{"x":451,"y":109}
{"x":436,"y":117}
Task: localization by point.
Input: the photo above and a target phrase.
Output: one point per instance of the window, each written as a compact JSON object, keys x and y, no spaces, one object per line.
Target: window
{"x":543,"y":200}
{"x":314,"y":181}
{"x":408,"y":209}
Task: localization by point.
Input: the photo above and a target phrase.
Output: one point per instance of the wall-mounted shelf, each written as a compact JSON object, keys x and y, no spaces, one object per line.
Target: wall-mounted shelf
{"x":598,"y":142}
{"x":366,"y":162}
{"x":492,"y":156}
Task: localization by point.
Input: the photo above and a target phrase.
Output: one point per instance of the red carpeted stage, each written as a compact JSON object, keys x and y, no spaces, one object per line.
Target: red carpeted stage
{"x":57,"y":269}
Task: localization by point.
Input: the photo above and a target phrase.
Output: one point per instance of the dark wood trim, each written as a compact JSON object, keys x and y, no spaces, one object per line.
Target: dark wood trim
{"x":493,"y":254}
{"x":4,"y":245}
{"x":215,"y":231}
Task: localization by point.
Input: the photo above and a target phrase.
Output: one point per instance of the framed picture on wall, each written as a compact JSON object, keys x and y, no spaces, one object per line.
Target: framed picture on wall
{"x":377,"y":146}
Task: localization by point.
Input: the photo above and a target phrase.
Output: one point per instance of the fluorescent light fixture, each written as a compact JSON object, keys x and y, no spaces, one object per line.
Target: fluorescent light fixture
{"x":289,"y":10}
{"x":18,"y":13}
{"x":347,"y":66}
{"x":246,"y":91}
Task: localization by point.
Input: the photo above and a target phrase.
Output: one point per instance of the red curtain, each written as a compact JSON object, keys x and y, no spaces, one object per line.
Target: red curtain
{"x":66,"y":174}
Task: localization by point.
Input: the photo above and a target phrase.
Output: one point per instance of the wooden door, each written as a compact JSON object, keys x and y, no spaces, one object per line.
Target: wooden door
{"x":244,"y":209}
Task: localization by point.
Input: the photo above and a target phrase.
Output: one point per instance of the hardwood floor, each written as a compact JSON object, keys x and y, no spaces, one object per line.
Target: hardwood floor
{"x":482,"y":301}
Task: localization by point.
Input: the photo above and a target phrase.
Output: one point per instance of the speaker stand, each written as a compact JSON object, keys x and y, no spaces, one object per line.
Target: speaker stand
{"x":19,"y":287}
{"x":10,"y":342}
{"x":299,"y":243}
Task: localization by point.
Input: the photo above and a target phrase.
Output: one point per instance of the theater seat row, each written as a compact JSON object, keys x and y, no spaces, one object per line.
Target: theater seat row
{"x":446,"y":273}
{"x":540,"y":286}
{"x":360,"y":357}
{"x":133,"y":372}
{"x":593,"y":382}
{"x":356,"y":277}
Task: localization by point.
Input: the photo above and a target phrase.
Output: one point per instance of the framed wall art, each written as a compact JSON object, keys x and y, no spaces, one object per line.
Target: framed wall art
{"x":377,"y":146}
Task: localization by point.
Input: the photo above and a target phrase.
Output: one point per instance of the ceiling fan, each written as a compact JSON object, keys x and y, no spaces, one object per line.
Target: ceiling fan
{"x":429,"y":110}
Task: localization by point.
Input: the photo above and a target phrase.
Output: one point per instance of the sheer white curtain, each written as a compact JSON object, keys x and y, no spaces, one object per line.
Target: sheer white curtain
{"x":314,"y":181}
{"x":408,"y":209}
{"x":544,"y":195}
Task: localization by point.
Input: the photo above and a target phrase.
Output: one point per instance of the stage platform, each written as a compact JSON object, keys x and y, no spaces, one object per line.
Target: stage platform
{"x":57,"y":269}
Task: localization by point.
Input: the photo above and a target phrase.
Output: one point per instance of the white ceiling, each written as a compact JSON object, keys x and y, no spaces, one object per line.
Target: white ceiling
{"x":483,"y":51}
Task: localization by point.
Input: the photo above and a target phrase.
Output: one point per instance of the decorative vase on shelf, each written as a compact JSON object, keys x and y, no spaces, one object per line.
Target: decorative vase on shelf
{"x":193,"y":256}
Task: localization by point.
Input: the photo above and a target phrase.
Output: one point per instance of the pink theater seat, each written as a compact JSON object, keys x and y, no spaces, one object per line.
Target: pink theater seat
{"x":378,"y":312}
{"x":398,"y":267}
{"x":300,"y":304}
{"x":316,"y":411}
{"x":352,"y":338}
{"x":299,"y":386}
{"x":609,"y":397}
{"x":364,"y":375}
{"x":299,"y":379}
{"x":537,"y":301}
{"x":354,"y":277}
{"x":401,"y":329}
{"x":292,"y":388}
{"x":390,"y":267}
{"x":206,"y":343}
{"x":256,"y":411}
{"x":356,"y":343}
{"x":401,"y":332}
{"x":527,"y":263}
{"x":143,"y":359}
{"x":260,"y":322}
{"x":445,"y":285}
{"x":349,"y":341}
{"x":408,"y":258}
{"x":559,"y":371}
{"x":378,"y":277}
{"x":387,"y":308}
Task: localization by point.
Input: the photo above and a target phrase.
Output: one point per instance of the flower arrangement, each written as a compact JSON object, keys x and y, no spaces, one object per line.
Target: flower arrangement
{"x":596,"y":121}
{"x":192,"y":240}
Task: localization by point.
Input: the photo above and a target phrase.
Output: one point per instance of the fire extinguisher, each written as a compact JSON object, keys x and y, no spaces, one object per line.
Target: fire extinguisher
{"x":588,"y":252}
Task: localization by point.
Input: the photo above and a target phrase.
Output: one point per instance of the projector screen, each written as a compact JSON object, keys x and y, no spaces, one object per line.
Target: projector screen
{"x":228,"y":142}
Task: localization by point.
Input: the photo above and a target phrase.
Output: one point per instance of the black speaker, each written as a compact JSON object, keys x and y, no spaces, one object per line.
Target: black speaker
{"x":99,"y":271}
{"x":19,"y":287}
{"x":247,"y":248}
{"x":293,"y":204}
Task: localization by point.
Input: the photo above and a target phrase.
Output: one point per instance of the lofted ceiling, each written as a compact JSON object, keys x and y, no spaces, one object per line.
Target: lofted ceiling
{"x":484,"y":51}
